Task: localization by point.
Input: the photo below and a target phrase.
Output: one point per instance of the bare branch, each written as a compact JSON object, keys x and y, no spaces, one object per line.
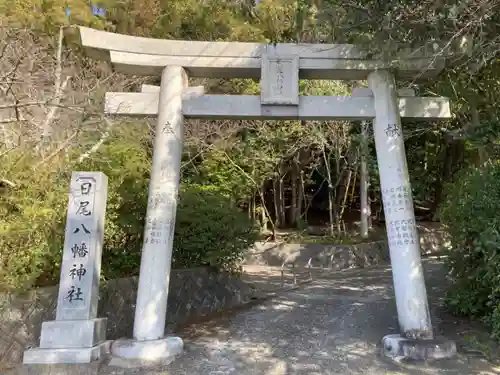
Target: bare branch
{"x":57,"y":151}
{"x":46,"y":126}
{"x":99,"y":143}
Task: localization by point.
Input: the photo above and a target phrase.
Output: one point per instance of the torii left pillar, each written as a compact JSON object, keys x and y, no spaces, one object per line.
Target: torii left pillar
{"x":149,"y":345}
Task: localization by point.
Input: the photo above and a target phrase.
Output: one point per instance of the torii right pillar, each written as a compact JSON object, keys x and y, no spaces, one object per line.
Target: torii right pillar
{"x":416,"y":340}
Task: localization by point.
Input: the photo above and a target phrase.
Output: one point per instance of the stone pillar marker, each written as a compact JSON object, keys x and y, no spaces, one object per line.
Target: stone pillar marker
{"x":149,"y":343}
{"x":416,"y":339}
{"x":77,"y":335}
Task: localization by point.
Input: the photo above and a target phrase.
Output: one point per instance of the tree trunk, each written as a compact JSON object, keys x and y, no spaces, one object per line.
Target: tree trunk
{"x":346,"y":192}
{"x":332,"y":212}
{"x":263,"y":222}
{"x":266,"y":215}
{"x":300,"y":194}
{"x":303,"y":198}
{"x":330,"y":193}
{"x":337,"y":192}
{"x":254,"y":208}
{"x":281,"y":189}
{"x":276,"y":201}
{"x":352,"y":195}
{"x":296,"y":196}
{"x":364,"y":181}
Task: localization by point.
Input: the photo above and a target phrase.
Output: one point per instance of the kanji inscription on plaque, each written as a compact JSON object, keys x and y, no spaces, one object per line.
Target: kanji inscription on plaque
{"x":81,"y":262}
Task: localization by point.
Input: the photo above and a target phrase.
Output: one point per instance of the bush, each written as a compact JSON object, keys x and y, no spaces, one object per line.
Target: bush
{"x":471,"y":214}
{"x":31,"y":221}
{"x":33,"y":214}
{"x":210,"y":229}
{"x":126,"y":160}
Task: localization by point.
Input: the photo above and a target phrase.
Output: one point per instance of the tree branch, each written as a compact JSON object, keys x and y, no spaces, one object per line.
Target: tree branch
{"x":58,"y":90}
{"x":99,"y":143}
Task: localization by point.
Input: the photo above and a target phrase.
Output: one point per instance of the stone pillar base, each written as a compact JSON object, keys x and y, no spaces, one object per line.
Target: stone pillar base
{"x":400,"y":348}
{"x":67,"y":334}
{"x":49,"y":356}
{"x":132,"y":353}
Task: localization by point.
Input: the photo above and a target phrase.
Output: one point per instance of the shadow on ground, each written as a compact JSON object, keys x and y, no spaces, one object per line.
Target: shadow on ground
{"x":331,"y":326}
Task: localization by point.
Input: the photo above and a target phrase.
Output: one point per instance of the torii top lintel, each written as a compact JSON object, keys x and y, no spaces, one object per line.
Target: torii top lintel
{"x":148,"y":56}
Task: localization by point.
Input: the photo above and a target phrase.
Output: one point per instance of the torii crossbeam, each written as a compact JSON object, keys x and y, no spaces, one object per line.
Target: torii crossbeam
{"x":249,"y":107}
{"x":147,"y":56}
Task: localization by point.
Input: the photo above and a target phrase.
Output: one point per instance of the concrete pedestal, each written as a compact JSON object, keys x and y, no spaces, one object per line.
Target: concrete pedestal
{"x":49,"y":356}
{"x":132,"y":353}
{"x":70,"y":341}
{"x":400,"y":348}
{"x":60,"y":334}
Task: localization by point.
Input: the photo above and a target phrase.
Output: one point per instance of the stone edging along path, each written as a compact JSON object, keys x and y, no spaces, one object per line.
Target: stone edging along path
{"x":330,"y":256}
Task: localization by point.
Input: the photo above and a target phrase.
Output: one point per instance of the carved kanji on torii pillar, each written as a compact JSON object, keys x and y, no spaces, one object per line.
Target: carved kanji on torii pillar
{"x":279,"y":67}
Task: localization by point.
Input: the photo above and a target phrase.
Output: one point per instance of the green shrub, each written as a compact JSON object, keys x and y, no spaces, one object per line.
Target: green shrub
{"x":126,"y":160}
{"x":31,"y":221}
{"x":471,"y":213}
{"x":210,"y":229}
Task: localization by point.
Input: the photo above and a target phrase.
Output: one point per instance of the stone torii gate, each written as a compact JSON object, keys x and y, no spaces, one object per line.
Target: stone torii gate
{"x":279,"y":67}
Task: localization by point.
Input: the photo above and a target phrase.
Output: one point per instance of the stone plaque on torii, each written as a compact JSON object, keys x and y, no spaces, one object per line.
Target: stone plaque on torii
{"x":279,"y":67}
